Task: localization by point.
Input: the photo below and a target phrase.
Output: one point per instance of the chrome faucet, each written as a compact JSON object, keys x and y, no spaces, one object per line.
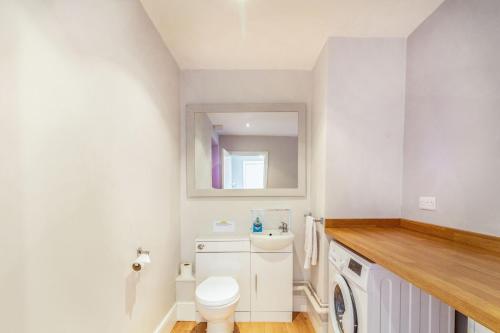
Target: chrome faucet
{"x":283,"y":227}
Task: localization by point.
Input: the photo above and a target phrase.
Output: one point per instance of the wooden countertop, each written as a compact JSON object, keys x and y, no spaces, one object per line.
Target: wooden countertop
{"x":441,"y":262}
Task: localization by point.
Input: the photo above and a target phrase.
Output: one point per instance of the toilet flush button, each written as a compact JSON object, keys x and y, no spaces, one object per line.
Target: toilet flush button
{"x":201,"y":246}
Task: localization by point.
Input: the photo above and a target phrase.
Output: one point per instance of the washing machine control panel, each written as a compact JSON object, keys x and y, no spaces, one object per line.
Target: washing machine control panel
{"x":350,"y":264}
{"x":355,"y":266}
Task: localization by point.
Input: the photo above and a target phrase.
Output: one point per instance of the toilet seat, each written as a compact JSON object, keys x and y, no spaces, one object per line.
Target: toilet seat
{"x":217,"y":291}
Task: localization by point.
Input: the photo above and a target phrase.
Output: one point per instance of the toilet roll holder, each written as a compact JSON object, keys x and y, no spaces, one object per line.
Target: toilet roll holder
{"x":140,"y":251}
{"x":137,"y":266}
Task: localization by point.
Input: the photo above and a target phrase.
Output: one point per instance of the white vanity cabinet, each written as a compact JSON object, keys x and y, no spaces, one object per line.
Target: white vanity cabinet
{"x":271,"y":286}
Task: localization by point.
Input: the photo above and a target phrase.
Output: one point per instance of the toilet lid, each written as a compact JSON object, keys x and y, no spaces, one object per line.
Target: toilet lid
{"x":217,"y":291}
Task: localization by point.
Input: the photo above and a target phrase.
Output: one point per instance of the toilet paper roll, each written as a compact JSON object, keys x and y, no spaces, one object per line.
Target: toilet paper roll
{"x":186,"y":270}
{"x":141,"y":262}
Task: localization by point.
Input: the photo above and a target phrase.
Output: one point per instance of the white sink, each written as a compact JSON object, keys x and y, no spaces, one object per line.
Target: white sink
{"x":272,"y":240}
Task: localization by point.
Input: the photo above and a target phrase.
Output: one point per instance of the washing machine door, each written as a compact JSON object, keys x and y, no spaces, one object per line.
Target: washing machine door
{"x":342,"y":307}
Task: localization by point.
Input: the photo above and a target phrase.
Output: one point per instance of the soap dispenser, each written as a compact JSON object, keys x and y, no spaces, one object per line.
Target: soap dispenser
{"x":257,"y":225}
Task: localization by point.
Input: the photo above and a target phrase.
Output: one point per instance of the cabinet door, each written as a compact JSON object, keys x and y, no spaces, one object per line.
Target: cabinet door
{"x":272,"y":281}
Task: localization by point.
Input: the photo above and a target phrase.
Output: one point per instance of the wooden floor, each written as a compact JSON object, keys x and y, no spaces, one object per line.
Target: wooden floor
{"x":300,"y":324}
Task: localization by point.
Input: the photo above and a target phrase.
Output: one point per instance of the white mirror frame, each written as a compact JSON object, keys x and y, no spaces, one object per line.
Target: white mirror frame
{"x":192,"y":109}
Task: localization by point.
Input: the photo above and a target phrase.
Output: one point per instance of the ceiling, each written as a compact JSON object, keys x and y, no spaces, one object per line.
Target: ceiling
{"x":274,"y":34}
{"x":255,"y":123}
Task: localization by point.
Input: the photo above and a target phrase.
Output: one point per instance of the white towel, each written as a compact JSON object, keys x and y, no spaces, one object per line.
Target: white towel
{"x":310,"y":243}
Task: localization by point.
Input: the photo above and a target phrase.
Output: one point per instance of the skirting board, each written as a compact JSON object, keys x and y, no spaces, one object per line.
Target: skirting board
{"x":299,"y":303}
{"x":186,"y":311}
{"x":318,"y":322}
{"x":168,"y":322}
{"x":272,"y":317}
{"x":246,"y":317}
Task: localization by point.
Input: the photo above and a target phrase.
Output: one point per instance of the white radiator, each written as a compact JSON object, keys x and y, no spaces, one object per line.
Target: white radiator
{"x":421,"y":312}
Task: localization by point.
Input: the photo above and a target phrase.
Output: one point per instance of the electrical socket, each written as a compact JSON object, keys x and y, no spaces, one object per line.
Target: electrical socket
{"x":427,"y":203}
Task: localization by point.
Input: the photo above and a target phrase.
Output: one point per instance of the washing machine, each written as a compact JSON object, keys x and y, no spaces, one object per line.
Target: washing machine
{"x":366,"y":298}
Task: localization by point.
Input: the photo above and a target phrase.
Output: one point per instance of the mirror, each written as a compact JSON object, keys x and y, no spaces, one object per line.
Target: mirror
{"x":246,"y":149}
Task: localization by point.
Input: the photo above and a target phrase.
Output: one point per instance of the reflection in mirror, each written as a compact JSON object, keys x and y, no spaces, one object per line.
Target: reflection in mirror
{"x":243,"y":170}
{"x":246,"y":150}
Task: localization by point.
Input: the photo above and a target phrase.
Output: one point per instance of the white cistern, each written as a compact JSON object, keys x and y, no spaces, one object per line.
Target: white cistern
{"x":219,"y":277}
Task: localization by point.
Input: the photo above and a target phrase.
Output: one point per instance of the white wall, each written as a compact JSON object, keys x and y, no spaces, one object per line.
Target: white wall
{"x":319,"y":110}
{"x":452,"y":140}
{"x":357,"y":142}
{"x":319,"y":141}
{"x":365,"y":125}
{"x":89,"y":143}
{"x":211,"y":86}
{"x":12,"y":246}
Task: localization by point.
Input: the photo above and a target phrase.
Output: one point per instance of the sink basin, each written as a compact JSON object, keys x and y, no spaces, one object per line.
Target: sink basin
{"x":272,"y":240}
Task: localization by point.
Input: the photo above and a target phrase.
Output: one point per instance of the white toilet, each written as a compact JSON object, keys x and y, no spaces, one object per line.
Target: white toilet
{"x":216,"y":300}
{"x":223,"y":281}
